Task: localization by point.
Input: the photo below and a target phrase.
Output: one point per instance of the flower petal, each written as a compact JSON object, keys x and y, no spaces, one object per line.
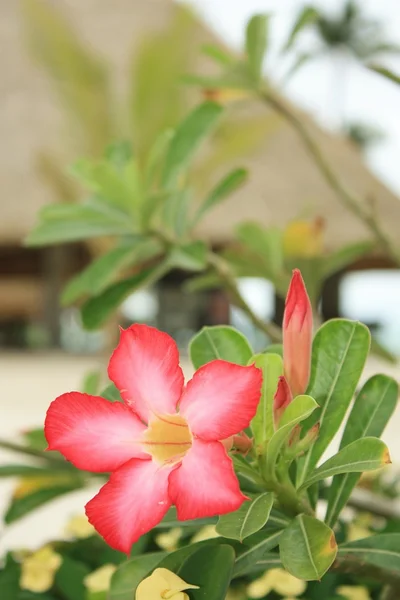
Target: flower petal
{"x":221,"y":399}
{"x":205,"y":483}
{"x":92,"y":433}
{"x":145,"y":368}
{"x":131,"y":503}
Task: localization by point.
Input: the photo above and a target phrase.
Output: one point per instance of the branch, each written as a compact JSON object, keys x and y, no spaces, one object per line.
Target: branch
{"x":222,"y":269}
{"x":349,"y":200}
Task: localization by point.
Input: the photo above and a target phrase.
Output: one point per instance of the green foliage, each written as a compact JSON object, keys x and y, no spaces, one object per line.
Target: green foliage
{"x":262,"y":424}
{"x":381,"y":551}
{"x":248,"y":519}
{"x":256,"y":44}
{"x":372,"y":409}
{"x":307,"y":548}
{"x":340,"y":349}
{"x":219,"y":342}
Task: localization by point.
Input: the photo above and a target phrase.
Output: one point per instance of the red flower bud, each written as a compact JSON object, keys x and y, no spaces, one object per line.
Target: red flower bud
{"x":297,"y":335}
{"x":283,"y":397}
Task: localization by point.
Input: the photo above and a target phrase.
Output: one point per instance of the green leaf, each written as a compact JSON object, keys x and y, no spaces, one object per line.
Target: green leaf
{"x":256,"y":44}
{"x":262,"y":424}
{"x":189,"y":257}
{"x":274,"y":349}
{"x":26,"y":471}
{"x":298,"y":410}
{"x":9,"y":579}
{"x":218,"y":55}
{"x":211,"y":569}
{"x":382,"y":551}
{"x":130,"y":573}
{"x":61,"y":223}
{"x":369,"y":416}
{"x":96,"y":310}
{"x":366,"y":454}
{"x":339,"y":352}
{"x":307,"y":548}
{"x":171,"y":520}
{"x":220,"y":341}
{"x":155,"y":159}
{"x":267,"y":245}
{"x":19,"y":507}
{"x":229,"y":184}
{"x":69,"y":579}
{"x":248,"y":519}
{"x":111,"y":393}
{"x":188,"y":136}
{"x":104,"y":270}
{"x":35,"y":438}
{"x":91,"y":383}
{"x":270,"y":560}
{"x":246,"y":560}
{"x":387,"y":73}
{"x":308,"y":16}
{"x":345,"y":256}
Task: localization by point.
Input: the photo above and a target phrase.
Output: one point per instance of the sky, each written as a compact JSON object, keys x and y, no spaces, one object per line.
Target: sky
{"x":367,"y":98}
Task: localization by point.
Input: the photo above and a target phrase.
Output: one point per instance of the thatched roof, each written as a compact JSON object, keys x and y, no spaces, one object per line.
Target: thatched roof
{"x":283,"y":183}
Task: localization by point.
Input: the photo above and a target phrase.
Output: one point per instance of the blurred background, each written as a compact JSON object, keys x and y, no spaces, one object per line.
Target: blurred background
{"x":78,"y":75}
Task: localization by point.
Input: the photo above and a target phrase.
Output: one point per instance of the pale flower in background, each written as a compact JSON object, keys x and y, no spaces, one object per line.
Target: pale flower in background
{"x":279,"y":581}
{"x":99,"y":580}
{"x":38,"y":570}
{"x":353,"y":592}
{"x":168,"y":540}
{"x":78,"y":527}
{"x":162,"y":584}
{"x":205,"y":533}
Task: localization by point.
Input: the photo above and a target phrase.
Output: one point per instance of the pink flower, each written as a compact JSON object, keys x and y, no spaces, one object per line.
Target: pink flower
{"x":297,"y":335}
{"x":163,"y":444}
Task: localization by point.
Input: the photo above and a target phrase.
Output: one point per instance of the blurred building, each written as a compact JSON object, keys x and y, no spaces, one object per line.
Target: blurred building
{"x":284,"y":181}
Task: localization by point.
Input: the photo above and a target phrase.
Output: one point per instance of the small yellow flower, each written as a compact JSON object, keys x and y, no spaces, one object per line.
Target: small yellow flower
{"x":354,"y":592}
{"x":162,"y":584}
{"x":38,"y":570}
{"x":205,"y":533}
{"x":279,"y":581}
{"x":169,"y":539}
{"x":78,"y":527}
{"x":304,"y":238}
{"x":99,"y":580}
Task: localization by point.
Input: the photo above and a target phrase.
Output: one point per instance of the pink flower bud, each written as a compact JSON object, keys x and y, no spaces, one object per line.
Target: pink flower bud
{"x":283,"y":397}
{"x":297,"y":335}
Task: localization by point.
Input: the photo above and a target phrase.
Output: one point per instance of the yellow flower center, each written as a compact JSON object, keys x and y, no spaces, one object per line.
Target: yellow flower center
{"x":167,"y":438}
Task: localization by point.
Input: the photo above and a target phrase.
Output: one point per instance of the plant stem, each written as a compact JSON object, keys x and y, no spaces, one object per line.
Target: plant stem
{"x":347,"y":198}
{"x":222,"y":269}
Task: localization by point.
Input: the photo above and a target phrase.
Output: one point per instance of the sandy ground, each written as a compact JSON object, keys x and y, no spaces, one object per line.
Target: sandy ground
{"x":28,"y":384}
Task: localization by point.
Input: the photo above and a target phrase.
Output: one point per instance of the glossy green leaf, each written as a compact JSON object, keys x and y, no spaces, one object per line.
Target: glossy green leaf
{"x":69,"y":579}
{"x":248,"y":519}
{"x":35,"y":438}
{"x":130,"y":573}
{"x":247,"y":559}
{"x":270,"y":560}
{"x":387,"y":73}
{"x":366,"y":454}
{"x":307,"y":548}
{"x":339,"y":352}
{"x":188,"y":136}
{"x":369,"y":416}
{"x":256,"y":44}
{"x":111,"y":393}
{"x":96,"y":310}
{"x":262,"y":424}
{"x":221,"y":342}
{"x":308,"y":16}
{"x":381,"y":550}
{"x":171,"y":520}
{"x":189,"y":257}
{"x":20,"y":507}
{"x":229,"y":184}
{"x":298,"y":410}
{"x":211,"y":569}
